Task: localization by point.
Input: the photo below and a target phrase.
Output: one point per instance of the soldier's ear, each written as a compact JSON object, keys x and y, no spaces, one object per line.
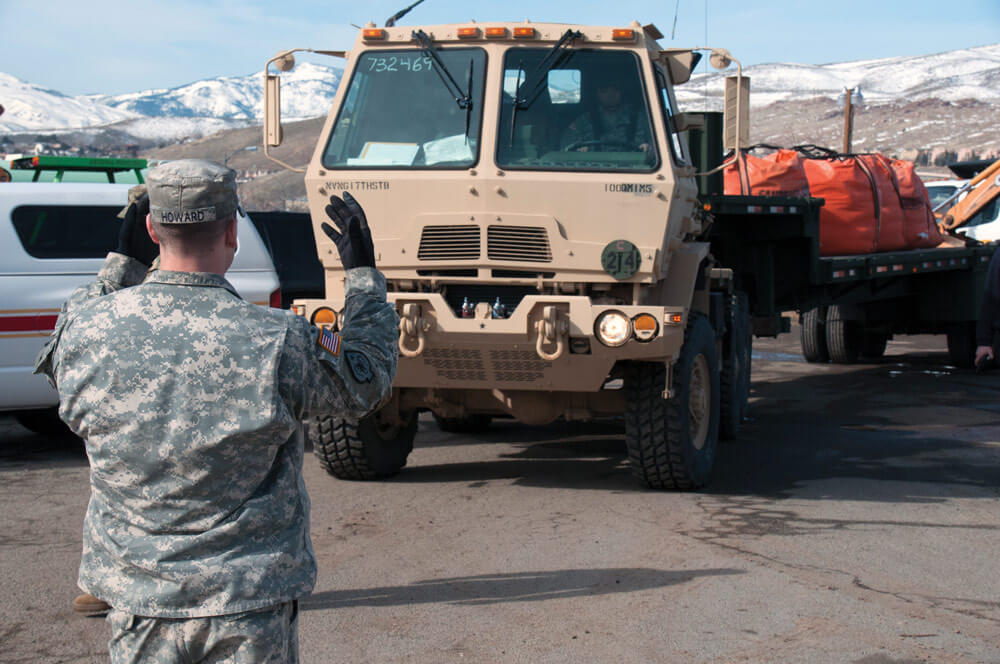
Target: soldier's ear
{"x":231,"y":234}
{"x":151,"y":230}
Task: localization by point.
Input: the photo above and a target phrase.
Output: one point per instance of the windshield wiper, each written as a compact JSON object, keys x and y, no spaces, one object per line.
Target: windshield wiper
{"x":537,"y":77}
{"x":463,"y":99}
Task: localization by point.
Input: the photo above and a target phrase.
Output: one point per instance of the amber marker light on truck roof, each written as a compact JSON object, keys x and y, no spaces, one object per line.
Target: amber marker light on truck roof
{"x":468,"y":33}
{"x":524,"y":33}
{"x":373,"y":34}
{"x":623,"y":34}
{"x":496,"y":33}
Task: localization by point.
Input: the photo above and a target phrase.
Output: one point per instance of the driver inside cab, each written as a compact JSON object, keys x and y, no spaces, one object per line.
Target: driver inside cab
{"x":613,"y":124}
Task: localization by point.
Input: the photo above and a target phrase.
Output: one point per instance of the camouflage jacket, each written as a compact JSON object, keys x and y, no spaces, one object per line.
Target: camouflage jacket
{"x":189,"y":400}
{"x":622,"y":130}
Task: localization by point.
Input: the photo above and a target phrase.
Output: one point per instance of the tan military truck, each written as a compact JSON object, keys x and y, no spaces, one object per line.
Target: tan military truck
{"x":534,"y":210}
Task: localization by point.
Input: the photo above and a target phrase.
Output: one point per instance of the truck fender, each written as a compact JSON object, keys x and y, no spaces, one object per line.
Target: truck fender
{"x":683,"y":276}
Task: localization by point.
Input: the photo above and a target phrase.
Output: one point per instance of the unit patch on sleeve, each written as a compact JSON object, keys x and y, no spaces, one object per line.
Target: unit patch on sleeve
{"x":359,"y":365}
{"x":329,"y":342}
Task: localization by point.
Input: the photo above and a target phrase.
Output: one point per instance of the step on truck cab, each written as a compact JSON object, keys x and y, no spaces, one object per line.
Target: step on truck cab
{"x":534,"y":211}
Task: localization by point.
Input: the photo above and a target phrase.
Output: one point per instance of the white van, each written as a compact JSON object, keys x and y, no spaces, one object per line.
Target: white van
{"x":53,"y":238}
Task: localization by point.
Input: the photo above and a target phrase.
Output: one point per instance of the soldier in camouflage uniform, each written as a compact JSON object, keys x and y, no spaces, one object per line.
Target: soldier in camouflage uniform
{"x":614,"y":125}
{"x":190,"y":401}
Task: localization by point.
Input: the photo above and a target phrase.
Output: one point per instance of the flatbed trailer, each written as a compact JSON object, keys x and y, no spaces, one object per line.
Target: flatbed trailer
{"x":772,"y":246}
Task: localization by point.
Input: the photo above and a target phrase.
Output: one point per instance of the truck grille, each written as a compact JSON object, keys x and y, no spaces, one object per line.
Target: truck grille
{"x":449,"y":243}
{"x":518,"y":243}
{"x":467,"y":364}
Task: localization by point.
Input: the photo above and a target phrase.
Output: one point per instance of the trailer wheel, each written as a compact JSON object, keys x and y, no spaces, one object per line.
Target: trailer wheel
{"x":962,"y":344}
{"x":843,"y":337}
{"x":369,"y":449}
{"x":466,"y":424}
{"x":735,"y":378}
{"x":814,"y":335}
{"x":671,"y":442}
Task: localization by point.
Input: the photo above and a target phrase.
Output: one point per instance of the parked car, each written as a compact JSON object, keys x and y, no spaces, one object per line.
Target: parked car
{"x":53,"y":238}
{"x":983,"y":226}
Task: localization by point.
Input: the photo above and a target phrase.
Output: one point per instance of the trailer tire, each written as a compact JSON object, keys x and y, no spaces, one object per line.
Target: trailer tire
{"x":362,"y":450}
{"x":468,"y":424}
{"x":813,"y":337}
{"x":962,"y":344}
{"x":735,"y":378}
{"x":671,"y":442}
{"x":843,"y":337}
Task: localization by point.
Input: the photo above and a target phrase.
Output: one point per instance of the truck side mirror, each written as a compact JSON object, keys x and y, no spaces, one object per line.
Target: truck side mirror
{"x":272,"y":110}
{"x":736,"y":121}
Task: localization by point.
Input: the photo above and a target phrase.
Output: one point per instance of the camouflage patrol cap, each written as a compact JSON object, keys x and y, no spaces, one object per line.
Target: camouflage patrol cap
{"x":191,"y":191}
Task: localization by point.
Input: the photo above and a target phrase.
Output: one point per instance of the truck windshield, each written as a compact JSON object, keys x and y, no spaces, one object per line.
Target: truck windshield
{"x":588,"y":113}
{"x":397,"y":113}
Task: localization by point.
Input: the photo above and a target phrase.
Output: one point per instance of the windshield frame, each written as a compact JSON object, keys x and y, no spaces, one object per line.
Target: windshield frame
{"x":477,"y":100}
{"x":503,"y":120}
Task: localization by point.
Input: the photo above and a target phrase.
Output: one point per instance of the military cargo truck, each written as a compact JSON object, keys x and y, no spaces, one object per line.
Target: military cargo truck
{"x":533,"y":199}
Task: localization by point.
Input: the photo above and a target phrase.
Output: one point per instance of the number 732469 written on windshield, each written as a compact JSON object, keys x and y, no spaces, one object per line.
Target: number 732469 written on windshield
{"x":414,"y":63}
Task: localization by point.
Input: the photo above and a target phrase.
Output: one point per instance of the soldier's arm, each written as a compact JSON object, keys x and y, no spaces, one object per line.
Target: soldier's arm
{"x":347,"y":374}
{"x":119,"y":271}
{"x":989,"y":314}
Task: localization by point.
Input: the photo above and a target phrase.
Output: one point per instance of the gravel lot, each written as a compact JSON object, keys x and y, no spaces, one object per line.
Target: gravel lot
{"x":856,"y":519}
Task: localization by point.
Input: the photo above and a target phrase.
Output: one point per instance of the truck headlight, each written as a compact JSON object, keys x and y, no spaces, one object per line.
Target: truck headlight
{"x":613,"y":328}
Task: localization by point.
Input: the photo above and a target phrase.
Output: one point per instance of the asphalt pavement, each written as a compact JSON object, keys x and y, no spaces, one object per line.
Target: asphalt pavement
{"x":855,"y":519}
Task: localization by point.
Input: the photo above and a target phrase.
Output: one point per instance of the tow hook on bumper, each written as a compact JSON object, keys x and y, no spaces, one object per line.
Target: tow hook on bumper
{"x":412,"y":327}
{"x":552,"y":329}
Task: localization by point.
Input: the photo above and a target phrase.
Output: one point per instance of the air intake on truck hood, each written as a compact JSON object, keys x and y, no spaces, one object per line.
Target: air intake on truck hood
{"x":449,"y":243}
{"x":518,"y":243}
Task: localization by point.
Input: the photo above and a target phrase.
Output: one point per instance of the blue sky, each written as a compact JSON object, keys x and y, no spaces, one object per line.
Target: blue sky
{"x":117,"y":46}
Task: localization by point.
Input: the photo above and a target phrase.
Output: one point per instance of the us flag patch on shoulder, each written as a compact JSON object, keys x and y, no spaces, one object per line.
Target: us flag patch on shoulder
{"x":329,"y":341}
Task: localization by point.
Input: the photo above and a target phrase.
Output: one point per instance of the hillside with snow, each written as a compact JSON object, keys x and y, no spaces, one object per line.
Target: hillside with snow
{"x":930,"y":102}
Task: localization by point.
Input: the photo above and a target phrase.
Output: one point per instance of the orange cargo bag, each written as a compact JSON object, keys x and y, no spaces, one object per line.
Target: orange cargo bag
{"x":848,"y":218}
{"x":777,"y":174}
{"x":889,"y":231}
{"x":920,"y":228}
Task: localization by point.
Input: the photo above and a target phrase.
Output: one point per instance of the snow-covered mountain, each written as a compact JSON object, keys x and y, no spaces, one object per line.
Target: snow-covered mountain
{"x":196,"y":109}
{"x":203,"y":107}
{"x":307,"y":92}
{"x":971,"y":73}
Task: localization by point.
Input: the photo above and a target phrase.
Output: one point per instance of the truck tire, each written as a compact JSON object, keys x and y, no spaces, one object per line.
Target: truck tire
{"x":814,"y":335}
{"x":468,"y":424}
{"x":962,"y":344}
{"x":843,"y":337}
{"x":362,"y":450}
{"x":735,"y":378}
{"x":671,"y":442}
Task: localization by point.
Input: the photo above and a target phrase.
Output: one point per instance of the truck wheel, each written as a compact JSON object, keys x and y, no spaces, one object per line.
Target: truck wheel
{"x":735,"y":378}
{"x":814,"y":335}
{"x":962,"y":344}
{"x":368,"y":449}
{"x":843,"y":337}
{"x":467,"y":424}
{"x":671,"y":442}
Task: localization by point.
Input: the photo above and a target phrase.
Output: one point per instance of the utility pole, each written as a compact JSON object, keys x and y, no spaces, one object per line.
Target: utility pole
{"x":848,"y":119}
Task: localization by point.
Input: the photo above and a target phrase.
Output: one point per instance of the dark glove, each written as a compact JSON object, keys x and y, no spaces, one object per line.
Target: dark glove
{"x":354,"y":241}
{"x":133,"y":238}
